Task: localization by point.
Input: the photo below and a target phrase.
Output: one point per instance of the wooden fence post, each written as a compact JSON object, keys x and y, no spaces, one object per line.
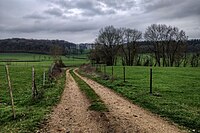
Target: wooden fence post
{"x":96,"y":67}
{"x":52,"y":66}
{"x":151,"y":80}
{"x":34,"y":90}
{"x":124,"y":71}
{"x":100,"y":68}
{"x":112,"y":73}
{"x":104,"y":69}
{"x":10,"y":90}
{"x":44,"y":77}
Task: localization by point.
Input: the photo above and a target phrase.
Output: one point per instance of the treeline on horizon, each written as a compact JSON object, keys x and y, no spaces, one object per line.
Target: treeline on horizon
{"x":163,"y":45}
{"x":21,"y":45}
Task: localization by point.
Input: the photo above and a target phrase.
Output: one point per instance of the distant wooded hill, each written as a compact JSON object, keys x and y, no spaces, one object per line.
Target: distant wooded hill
{"x":35,"y":46}
{"x":193,"y":46}
{"x":20,"y":45}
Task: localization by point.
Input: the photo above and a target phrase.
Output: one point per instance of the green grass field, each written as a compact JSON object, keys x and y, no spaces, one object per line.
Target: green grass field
{"x":26,"y":59}
{"x":176,"y":91}
{"x":29,"y":112}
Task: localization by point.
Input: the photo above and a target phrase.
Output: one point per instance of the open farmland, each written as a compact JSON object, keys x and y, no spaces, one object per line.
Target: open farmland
{"x":100,"y":66}
{"x":176,"y":91}
{"x":29,"y":112}
{"x":26,"y":59}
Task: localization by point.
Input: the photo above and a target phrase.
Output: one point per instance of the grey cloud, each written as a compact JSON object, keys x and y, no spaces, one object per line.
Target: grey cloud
{"x":26,"y":29}
{"x":63,"y":3}
{"x":35,"y":16}
{"x":97,"y":11}
{"x":119,"y":4}
{"x":2,"y":28}
{"x":84,"y":4}
{"x":80,"y":20}
{"x":152,"y":5}
{"x":54,"y":11}
{"x":188,"y":9}
{"x":75,"y":28}
{"x":88,"y":7}
{"x":173,"y":8}
{"x":51,"y":27}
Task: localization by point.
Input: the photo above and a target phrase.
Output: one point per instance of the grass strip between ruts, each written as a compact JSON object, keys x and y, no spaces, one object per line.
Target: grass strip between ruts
{"x":96,"y":103}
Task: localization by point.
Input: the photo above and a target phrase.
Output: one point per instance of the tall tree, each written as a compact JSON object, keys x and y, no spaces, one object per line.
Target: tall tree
{"x":56,"y":52}
{"x":168,"y":43}
{"x":129,"y":44}
{"x":109,"y":40}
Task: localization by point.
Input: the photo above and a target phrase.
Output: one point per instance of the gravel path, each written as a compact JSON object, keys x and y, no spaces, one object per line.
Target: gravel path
{"x":127,"y":117}
{"x":71,"y":115}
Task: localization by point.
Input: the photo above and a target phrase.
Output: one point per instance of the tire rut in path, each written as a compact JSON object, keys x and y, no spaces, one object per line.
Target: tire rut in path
{"x":71,"y":115}
{"x":129,"y":117}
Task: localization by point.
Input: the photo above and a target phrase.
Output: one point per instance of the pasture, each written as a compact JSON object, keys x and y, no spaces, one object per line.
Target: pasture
{"x":27,"y":59}
{"x":176,"y":91}
{"x":29,"y":113}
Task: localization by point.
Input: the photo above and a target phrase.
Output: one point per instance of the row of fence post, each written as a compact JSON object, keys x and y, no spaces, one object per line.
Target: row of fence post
{"x":151,"y":78}
{"x":10,"y":90}
{"x":124,"y":75}
{"x":34,"y":89}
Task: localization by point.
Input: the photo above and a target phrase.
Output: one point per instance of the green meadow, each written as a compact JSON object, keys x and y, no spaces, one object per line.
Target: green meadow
{"x":29,"y":112}
{"x":176,"y":91}
{"x":26,"y":59}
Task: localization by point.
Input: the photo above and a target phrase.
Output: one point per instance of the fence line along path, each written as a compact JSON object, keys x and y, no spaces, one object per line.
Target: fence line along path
{"x":130,"y":117}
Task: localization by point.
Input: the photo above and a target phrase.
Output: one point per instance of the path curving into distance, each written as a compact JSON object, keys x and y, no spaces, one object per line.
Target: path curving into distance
{"x":71,"y":115}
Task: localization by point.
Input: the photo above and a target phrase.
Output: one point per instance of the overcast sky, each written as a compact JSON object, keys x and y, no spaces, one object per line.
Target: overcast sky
{"x":80,"y":20}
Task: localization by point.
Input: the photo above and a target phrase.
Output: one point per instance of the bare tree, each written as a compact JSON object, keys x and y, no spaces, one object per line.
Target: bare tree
{"x":129,"y":44}
{"x":109,"y":40}
{"x":195,"y":57}
{"x":56,"y":51}
{"x":95,"y":55}
{"x":177,"y":46}
{"x":154,"y":34}
{"x":167,"y":43}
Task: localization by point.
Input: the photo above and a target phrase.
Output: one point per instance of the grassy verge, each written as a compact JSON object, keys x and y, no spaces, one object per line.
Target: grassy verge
{"x":176,"y":91}
{"x":96,"y":103}
{"x":29,"y":113}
